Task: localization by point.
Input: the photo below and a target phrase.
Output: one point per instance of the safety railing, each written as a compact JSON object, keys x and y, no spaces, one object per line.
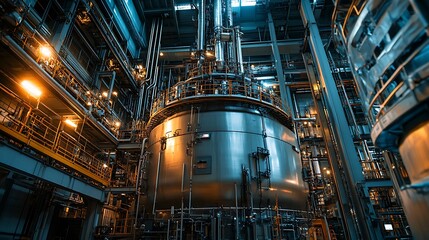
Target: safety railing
{"x":213,"y":87}
{"x":388,"y":45}
{"x":30,"y":125}
{"x":30,"y":40}
{"x":374,"y":170}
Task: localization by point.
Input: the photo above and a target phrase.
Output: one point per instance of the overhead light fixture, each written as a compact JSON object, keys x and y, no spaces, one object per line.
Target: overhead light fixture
{"x":104,"y":165}
{"x":264,"y":78}
{"x":115,"y":93}
{"x":209,"y":54}
{"x":388,"y":227}
{"x":45,"y":51}
{"x":70,"y":123}
{"x":161,"y":54}
{"x":31,"y":89}
{"x":117,"y":124}
{"x":104,"y":94}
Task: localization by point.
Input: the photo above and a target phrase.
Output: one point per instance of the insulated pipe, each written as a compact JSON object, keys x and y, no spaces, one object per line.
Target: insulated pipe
{"x":232,"y":43}
{"x":150,"y":61}
{"x":218,"y":30}
{"x":201,"y":25}
{"x":153,"y":53}
{"x":154,"y":88}
{"x":233,"y":52}
{"x":142,"y":88}
{"x":239,"y":53}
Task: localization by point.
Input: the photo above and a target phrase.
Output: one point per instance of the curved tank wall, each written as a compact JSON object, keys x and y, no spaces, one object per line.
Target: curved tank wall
{"x":217,"y":146}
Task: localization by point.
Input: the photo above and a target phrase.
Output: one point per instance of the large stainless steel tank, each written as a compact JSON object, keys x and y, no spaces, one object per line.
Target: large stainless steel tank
{"x":389,"y":47}
{"x":223,"y":149}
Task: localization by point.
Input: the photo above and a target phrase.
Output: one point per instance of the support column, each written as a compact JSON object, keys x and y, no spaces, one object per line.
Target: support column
{"x":7,"y":183}
{"x":284,"y":91}
{"x":64,"y":27}
{"x":364,"y":211}
{"x":347,"y":219}
{"x":44,"y":224}
{"x":91,"y":220}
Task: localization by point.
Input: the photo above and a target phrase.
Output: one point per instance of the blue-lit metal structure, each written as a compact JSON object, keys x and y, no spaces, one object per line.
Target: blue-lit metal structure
{"x":388,"y":47}
{"x":211,"y":119}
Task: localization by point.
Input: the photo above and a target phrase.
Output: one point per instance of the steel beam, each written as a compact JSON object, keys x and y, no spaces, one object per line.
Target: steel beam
{"x":284,"y":91}
{"x":365,"y":213}
{"x":121,"y":190}
{"x":291,"y":46}
{"x":348,"y":220}
{"x":20,"y":162}
{"x":64,"y":26}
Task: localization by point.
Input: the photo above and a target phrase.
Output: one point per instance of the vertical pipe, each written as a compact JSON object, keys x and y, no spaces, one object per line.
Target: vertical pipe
{"x":352,"y":168}
{"x":138,"y":182}
{"x":233,"y":51}
{"x":140,"y":101}
{"x":153,"y":63}
{"x":112,"y":84}
{"x":182,"y":205}
{"x":236,"y":211}
{"x":168,"y":229}
{"x":219,"y":226}
{"x":229,"y":19}
{"x":239,"y":53}
{"x":213,"y":225}
{"x":201,"y":25}
{"x":148,"y":59}
{"x":156,"y":183}
{"x":169,"y":81}
{"x":218,"y":30}
{"x":229,"y":23}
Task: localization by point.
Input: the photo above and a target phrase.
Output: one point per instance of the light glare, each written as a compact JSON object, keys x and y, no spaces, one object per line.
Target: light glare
{"x":31,"y":89}
{"x":70,"y":123}
{"x":45,"y":51}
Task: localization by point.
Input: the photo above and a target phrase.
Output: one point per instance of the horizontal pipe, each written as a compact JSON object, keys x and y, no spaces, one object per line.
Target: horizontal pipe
{"x":304,"y":119}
